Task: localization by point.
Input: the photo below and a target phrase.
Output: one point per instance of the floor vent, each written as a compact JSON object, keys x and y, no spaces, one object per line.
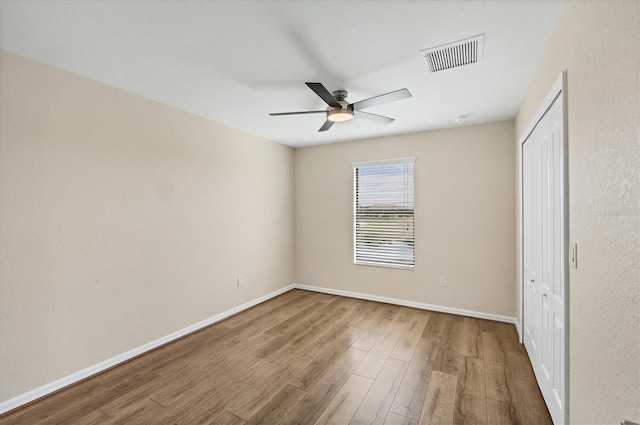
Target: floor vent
{"x":452,"y":55}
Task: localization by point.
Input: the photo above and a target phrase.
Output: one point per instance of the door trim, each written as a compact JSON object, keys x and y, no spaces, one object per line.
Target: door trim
{"x":559,"y":88}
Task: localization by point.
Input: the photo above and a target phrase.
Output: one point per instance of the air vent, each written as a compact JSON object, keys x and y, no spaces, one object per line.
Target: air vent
{"x":452,"y":55}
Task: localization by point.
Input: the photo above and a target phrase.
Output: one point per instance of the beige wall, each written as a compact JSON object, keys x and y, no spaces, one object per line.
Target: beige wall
{"x":597,"y":42}
{"x":464,"y":218}
{"x":123,"y":220}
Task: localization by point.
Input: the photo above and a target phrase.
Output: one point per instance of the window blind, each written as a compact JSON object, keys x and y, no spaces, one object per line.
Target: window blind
{"x":383,"y":213}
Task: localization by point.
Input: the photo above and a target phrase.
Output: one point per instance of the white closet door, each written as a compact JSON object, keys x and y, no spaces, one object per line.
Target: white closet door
{"x":532,"y":247}
{"x":544,"y":256}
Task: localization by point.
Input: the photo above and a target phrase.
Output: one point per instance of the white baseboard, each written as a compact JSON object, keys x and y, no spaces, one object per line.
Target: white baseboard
{"x":422,"y":306}
{"x":51,"y":387}
{"x":517,"y":323}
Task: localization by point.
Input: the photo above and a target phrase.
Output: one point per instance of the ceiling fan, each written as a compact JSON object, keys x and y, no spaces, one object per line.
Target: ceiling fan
{"x":340,"y":110}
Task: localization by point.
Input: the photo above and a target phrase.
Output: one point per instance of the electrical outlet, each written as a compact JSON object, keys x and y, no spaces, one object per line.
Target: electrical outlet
{"x":443,"y":281}
{"x":240,"y":280}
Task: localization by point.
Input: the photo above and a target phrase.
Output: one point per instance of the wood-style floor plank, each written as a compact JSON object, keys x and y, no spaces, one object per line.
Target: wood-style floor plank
{"x":315,"y":371}
{"x":264,"y":316}
{"x":499,"y":413}
{"x":395,"y":419}
{"x":496,"y":382}
{"x":277,"y":408}
{"x":526,"y":401}
{"x":471,"y":344}
{"x":344,"y":404}
{"x":226,"y":418}
{"x":139,"y":411}
{"x":413,"y":389}
{"x":306,"y":357}
{"x":408,"y":341}
{"x":287,"y":303}
{"x":259,"y":389}
{"x":322,"y":390}
{"x":471,"y":400}
{"x":375,"y":406}
{"x":379,"y":353}
{"x":376,"y":329}
{"x":440,"y":402}
{"x":341,"y":334}
{"x":449,"y":359}
{"x":510,"y":379}
{"x":297,"y":321}
{"x":96,"y":417}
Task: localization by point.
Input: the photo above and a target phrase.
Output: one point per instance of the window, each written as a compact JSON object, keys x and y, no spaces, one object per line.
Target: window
{"x":383,"y":213}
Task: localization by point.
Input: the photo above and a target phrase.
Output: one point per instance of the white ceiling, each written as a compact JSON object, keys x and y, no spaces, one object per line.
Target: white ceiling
{"x":236,"y":61}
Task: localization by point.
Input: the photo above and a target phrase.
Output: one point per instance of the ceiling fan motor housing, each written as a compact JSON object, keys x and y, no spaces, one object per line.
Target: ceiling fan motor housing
{"x":340,"y":95}
{"x":344,"y":113}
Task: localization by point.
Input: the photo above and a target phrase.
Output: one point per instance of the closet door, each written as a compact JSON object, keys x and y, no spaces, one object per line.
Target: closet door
{"x":544,"y":255}
{"x":532,"y":210}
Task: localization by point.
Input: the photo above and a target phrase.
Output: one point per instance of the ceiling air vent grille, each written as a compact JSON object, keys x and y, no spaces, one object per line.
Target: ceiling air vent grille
{"x":459,"y":53}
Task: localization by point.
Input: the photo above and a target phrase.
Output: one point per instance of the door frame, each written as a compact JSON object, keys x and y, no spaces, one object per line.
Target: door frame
{"x":559,"y":88}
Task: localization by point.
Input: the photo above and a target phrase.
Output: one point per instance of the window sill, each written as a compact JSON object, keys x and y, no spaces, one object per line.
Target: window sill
{"x":387,"y":266}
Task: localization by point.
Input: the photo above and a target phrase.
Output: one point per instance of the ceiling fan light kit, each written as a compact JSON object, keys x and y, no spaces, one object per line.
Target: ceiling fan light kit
{"x":339,"y":110}
{"x":340,"y":115}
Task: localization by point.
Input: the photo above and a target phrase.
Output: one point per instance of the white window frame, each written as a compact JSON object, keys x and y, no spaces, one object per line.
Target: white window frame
{"x":356,"y":165}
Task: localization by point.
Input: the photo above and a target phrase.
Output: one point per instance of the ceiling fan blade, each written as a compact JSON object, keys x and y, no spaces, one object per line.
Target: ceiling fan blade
{"x":326,"y":126}
{"x":275,"y":114}
{"x":380,"y":99}
{"x":324,"y":94}
{"x":374,"y":117}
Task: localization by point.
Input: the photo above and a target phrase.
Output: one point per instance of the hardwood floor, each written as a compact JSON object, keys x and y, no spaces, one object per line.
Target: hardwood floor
{"x":305,"y":358}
